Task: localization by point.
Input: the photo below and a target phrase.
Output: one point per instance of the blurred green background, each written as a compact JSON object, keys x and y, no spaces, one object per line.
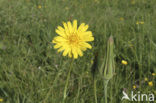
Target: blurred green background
{"x":31,"y":71}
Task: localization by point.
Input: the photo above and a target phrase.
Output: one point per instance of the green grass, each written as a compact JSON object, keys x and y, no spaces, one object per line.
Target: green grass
{"x":31,"y":71}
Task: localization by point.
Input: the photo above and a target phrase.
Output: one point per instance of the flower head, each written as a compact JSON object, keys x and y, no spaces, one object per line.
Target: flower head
{"x":72,"y":40}
{"x":146,"y":79}
{"x":39,"y":6}
{"x":1,"y":100}
{"x":121,"y":18}
{"x":134,"y":87}
{"x":150,"y":83}
{"x":124,"y":62}
{"x":132,"y":2}
{"x":92,"y":61}
{"x":97,"y":1}
{"x":153,"y":74}
{"x":139,"y":22}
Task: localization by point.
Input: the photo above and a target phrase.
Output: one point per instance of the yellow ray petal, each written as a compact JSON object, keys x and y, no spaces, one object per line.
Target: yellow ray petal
{"x":79,"y":52}
{"x":88,"y":39}
{"x":60,"y":28}
{"x":75,"y":54}
{"x":62,"y":48}
{"x":61,"y":33}
{"x":57,"y":46}
{"x":84,"y":44}
{"x":70,"y":28}
{"x":85,"y":28}
{"x":65,"y":25}
{"x":75,"y":25}
{"x":66,"y":28}
{"x":69,"y":54}
{"x":58,"y":39}
{"x":81,"y":27}
{"x":87,"y":33}
{"x":66,"y":51}
{"x":86,"y":36}
{"x":83,"y":48}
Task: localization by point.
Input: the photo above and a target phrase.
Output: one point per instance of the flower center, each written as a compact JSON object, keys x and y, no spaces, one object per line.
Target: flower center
{"x":73,"y":39}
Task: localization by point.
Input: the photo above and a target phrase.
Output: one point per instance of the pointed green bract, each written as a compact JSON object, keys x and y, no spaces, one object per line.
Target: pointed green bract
{"x":108,"y":68}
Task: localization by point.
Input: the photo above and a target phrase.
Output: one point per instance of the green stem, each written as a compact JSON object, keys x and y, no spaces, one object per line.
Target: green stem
{"x":79,"y":88}
{"x":105,"y":89}
{"x":111,"y":91}
{"x":67,"y":81}
{"x":95,"y":90}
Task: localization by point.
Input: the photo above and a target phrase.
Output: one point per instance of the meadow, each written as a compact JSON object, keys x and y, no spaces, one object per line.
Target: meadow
{"x":32,"y":71}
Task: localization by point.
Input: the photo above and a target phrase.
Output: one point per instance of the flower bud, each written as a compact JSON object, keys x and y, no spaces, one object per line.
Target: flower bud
{"x":108,"y":67}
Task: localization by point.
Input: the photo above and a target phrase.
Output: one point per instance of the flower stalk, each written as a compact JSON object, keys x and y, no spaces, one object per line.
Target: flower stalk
{"x":107,"y":69}
{"x":94,"y":73}
{"x":105,"y":89}
{"x":67,"y":81}
{"x":95,"y":96}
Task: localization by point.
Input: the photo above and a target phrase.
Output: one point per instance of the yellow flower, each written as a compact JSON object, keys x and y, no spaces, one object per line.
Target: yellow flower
{"x":97,"y":1}
{"x":66,"y":8}
{"x":150,"y":83}
{"x":146,"y":79}
{"x":92,"y":61}
{"x":134,"y":87}
{"x":73,"y":40}
{"x":39,"y":6}
{"x":153,"y":74}
{"x":121,"y":18}
{"x":1,"y":100}
{"x":137,"y":22}
{"x":141,"y":22}
{"x":132,"y":1}
{"x":124,"y":62}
